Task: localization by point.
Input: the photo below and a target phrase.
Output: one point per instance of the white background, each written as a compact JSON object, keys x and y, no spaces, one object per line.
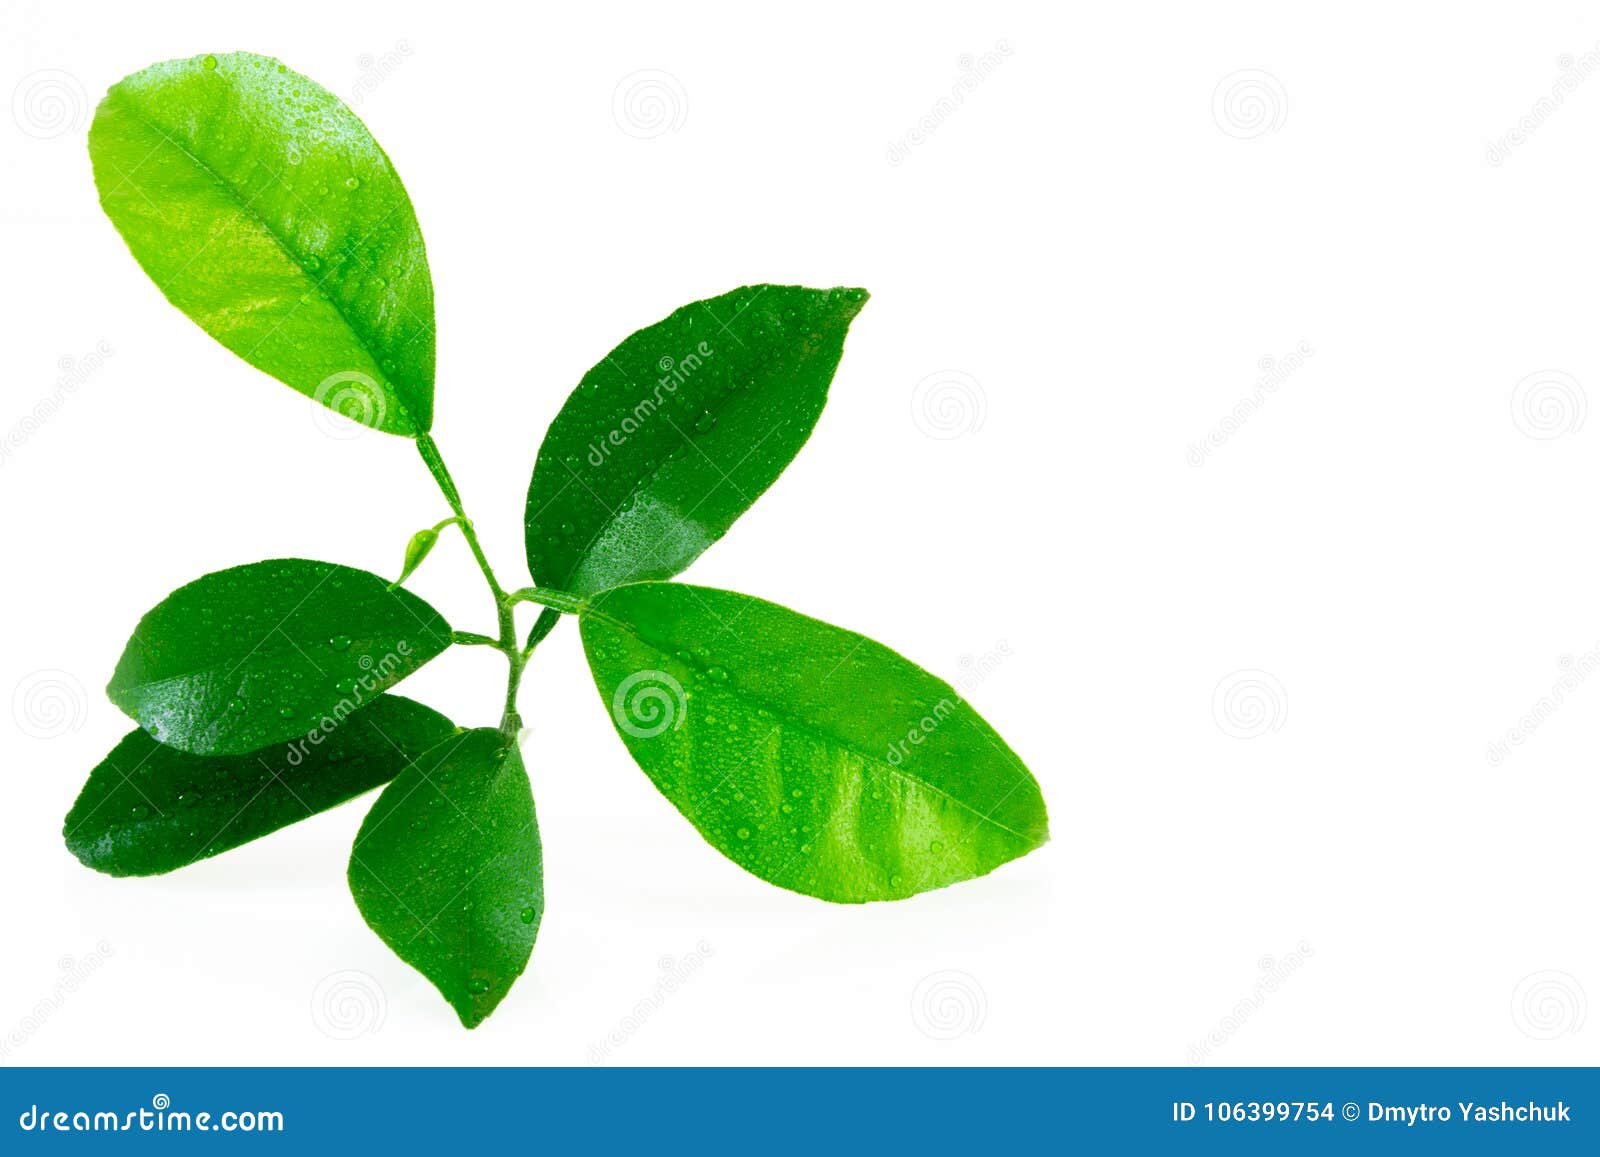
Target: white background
{"x":1078,"y":275}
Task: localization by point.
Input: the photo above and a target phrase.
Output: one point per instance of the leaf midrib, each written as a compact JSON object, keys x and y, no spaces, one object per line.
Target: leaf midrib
{"x":732,"y":401}
{"x":375,"y":355}
{"x":837,"y":740}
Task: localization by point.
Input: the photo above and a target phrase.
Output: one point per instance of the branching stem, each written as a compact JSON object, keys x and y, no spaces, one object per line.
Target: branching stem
{"x":504,"y":604}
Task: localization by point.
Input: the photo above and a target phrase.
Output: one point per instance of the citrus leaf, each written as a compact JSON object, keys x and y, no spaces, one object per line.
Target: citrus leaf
{"x":447,"y":870}
{"x":148,"y":808}
{"x":263,"y":209}
{"x":678,"y":431}
{"x":260,"y":654}
{"x":811,"y":756}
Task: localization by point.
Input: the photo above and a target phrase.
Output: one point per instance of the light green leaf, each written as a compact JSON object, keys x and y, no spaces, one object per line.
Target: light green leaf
{"x":259,"y":654}
{"x":678,"y":430}
{"x":149,"y":809}
{"x":448,"y":870}
{"x":815,"y":758}
{"x":418,"y":549}
{"x":264,"y":210}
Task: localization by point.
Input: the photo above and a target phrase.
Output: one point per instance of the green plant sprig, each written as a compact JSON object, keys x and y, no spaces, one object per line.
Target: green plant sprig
{"x":504,"y":604}
{"x":811,"y":756}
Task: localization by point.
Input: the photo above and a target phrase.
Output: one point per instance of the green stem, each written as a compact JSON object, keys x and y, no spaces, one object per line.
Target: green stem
{"x":441,"y":474}
{"x":553,"y":599}
{"x":504,"y":604}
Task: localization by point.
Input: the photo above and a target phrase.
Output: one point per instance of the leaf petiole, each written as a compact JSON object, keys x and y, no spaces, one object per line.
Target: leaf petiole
{"x":568,"y":604}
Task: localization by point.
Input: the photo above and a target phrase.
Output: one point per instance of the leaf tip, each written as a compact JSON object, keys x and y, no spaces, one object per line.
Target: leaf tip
{"x":851,"y":300}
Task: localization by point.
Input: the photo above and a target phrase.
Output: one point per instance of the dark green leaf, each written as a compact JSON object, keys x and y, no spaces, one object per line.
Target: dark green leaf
{"x":813,"y":757}
{"x":447,"y":869}
{"x":682,"y":426}
{"x":259,"y":654}
{"x":263,"y":209}
{"x":149,"y":809}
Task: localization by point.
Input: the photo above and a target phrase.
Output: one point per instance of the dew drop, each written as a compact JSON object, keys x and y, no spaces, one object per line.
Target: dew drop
{"x":718,"y":674}
{"x":704,"y":422}
{"x":477,"y":986}
{"x":139,"y":811}
{"x":340,"y":642}
{"x":527,"y":915}
{"x":352,"y":183}
{"x":209,"y":63}
{"x":743,"y":833}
